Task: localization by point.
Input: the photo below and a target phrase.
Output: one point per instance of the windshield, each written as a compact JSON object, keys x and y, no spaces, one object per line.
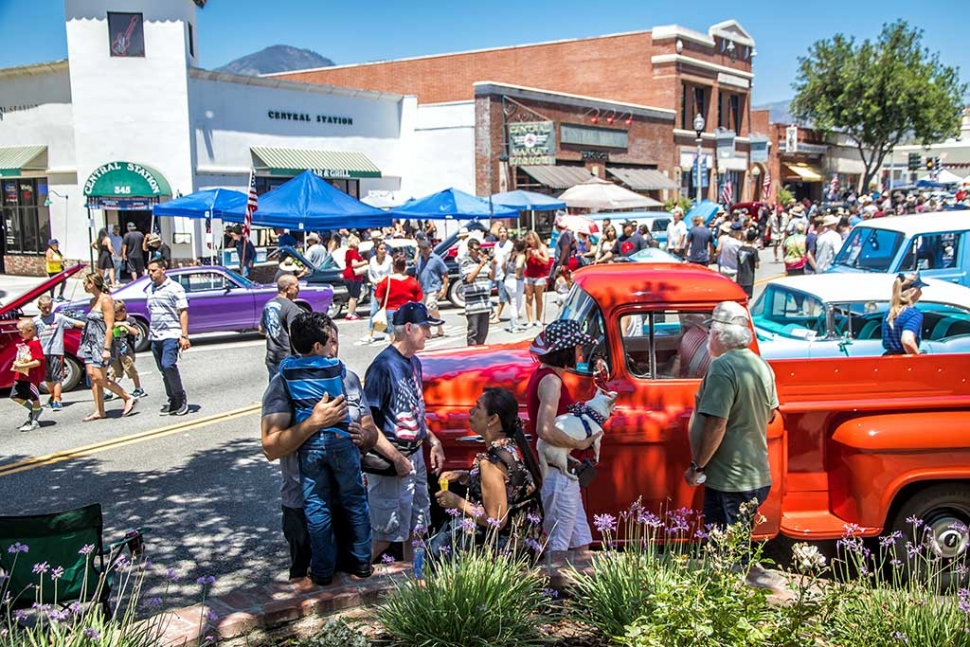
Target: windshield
{"x":790,"y":313}
{"x":581,"y":307}
{"x":872,"y":250}
{"x":238,"y":278}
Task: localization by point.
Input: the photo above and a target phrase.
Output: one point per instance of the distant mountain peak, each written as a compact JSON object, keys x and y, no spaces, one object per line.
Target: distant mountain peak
{"x":276,"y":58}
{"x":778,"y":111}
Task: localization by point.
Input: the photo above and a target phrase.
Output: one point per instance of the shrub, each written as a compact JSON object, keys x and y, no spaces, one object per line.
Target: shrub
{"x":784,"y":195}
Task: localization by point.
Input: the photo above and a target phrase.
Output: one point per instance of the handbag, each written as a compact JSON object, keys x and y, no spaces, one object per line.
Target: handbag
{"x":380,"y":317}
{"x":373,"y":462}
{"x":584,"y":471}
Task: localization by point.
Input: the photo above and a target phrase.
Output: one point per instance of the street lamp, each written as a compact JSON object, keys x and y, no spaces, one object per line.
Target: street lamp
{"x":699,"y":129}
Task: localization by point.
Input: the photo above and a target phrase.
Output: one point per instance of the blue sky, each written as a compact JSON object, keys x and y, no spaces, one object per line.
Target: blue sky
{"x":32,"y":31}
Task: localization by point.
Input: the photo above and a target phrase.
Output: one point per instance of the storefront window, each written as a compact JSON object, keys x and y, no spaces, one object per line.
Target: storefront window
{"x":26,"y":219}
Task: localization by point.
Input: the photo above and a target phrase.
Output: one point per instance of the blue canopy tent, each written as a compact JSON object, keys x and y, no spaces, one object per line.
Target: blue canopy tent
{"x":211,"y":203}
{"x":452,"y":203}
{"x":309,"y":203}
{"x":528,"y":201}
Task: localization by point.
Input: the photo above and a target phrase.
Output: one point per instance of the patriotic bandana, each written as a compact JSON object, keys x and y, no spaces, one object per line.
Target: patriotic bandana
{"x":560,"y":334}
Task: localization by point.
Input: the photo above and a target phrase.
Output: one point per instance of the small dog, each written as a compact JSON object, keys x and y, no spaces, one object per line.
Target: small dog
{"x":587,"y":419}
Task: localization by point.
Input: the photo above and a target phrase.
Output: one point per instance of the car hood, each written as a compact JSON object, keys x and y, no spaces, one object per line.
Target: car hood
{"x":45,"y":286}
{"x":457,"y":376}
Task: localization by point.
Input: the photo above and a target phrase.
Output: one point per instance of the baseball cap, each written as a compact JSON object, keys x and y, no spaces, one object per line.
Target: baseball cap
{"x":918,"y":282}
{"x":424,"y":242}
{"x":729,"y":313}
{"x":52,"y":241}
{"x":414,"y":312}
{"x":131,"y":226}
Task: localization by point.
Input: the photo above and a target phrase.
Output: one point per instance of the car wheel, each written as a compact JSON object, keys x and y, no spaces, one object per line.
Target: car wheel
{"x":941,"y":516}
{"x":334,"y":310}
{"x":141,"y":339}
{"x":456,"y":294}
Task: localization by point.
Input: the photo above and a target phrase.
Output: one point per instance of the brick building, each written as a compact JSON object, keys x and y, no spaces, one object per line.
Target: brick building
{"x":669,"y":70}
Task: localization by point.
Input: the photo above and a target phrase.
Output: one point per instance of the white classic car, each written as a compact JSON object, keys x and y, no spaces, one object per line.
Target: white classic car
{"x":836,"y":315}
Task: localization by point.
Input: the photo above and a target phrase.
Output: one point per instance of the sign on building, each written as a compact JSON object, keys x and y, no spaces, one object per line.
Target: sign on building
{"x":759,"y":149}
{"x":725,"y":143}
{"x":532,"y":143}
{"x":791,"y":139}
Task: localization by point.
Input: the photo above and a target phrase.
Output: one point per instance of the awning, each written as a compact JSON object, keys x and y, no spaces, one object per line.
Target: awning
{"x":125,"y":180}
{"x":558,"y":177}
{"x":642,"y":179}
{"x":16,"y":159}
{"x":806,"y":173}
{"x":326,"y":164}
{"x":849,"y":166}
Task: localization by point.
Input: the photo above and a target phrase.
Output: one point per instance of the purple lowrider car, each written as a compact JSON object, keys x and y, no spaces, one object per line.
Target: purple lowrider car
{"x":219,"y":300}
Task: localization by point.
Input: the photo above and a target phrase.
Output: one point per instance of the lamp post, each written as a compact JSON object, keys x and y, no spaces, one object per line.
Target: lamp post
{"x":699,"y":129}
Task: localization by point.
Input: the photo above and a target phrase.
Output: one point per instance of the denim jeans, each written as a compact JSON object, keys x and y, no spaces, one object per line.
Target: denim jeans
{"x":723,"y":508}
{"x":331,"y":478}
{"x":166,"y":353}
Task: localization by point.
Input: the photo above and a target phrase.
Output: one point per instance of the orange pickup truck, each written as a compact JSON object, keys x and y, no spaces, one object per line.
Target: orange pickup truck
{"x":868,"y":441}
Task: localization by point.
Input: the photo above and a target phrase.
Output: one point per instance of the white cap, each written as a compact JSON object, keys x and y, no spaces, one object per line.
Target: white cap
{"x":729,"y":313}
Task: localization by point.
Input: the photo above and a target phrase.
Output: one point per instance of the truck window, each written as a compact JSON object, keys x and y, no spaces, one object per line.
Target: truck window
{"x":932,"y":252}
{"x":670,"y":344}
{"x":869,"y":249}
{"x":581,"y":307}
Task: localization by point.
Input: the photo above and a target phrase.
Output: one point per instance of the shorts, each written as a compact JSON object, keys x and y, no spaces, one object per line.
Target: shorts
{"x":534,"y":280}
{"x":399,"y":505}
{"x":124,"y":364}
{"x":136,"y":264}
{"x":431,"y":300}
{"x":26,"y":391}
{"x":503,"y":293}
{"x":54,"y":373}
{"x":353,"y":289}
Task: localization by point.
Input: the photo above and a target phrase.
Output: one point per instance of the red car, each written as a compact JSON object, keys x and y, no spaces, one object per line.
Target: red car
{"x":12,"y":312}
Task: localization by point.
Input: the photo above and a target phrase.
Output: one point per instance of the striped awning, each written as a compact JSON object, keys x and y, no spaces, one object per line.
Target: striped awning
{"x":642,"y":179}
{"x":558,"y":177}
{"x":326,"y":164}
{"x":16,"y":159}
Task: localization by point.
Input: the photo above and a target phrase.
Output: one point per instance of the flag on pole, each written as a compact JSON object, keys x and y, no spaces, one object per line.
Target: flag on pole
{"x":727,"y":193}
{"x":251,"y":205}
{"x":766,"y":187}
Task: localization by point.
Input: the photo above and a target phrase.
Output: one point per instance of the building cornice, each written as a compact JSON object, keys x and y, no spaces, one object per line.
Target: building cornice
{"x":38,"y":69}
{"x":283,"y":84}
{"x":486,"y":88}
{"x":666,"y":32}
{"x":661,"y":59}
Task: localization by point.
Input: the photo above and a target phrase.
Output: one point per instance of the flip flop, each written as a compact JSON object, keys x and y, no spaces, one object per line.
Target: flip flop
{"x":91,"y":417}
{"x":129,"y":406}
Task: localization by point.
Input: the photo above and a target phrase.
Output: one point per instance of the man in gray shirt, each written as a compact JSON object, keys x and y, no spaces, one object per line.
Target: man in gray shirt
{"x":316,"y":253}
{"x":278,"y":314}
{"x":432,"y":274}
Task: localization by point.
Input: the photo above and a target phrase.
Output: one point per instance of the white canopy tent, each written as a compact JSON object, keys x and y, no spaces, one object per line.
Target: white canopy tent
{"x":597,"y":195}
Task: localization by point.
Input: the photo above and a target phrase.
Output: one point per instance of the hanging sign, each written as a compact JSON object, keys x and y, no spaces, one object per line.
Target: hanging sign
{"x":532,"y":143}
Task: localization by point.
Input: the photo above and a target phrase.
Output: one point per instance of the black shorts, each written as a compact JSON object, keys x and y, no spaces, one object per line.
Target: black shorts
{"x":24,"y":391}
{"x":353,"y":289}
{"x":55,"y":368}
{"x":136,"y":264}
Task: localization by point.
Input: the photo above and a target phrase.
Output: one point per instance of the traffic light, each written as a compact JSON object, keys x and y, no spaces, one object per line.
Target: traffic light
{"x":930,"y":164}
{"x":914,"y":159}
{"x":937,"y":164}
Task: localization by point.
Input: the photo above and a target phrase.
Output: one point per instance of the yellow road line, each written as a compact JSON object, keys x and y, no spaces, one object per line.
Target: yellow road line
{"x":87,"y":450}
{"x":770,"y":278}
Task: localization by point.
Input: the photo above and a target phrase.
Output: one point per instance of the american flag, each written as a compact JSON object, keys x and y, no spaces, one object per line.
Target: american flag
{"x":727,"y":193}
{"x":766,"y":187}
{"x":251,"y":205}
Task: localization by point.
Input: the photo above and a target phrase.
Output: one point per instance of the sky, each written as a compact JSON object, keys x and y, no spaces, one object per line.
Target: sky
{"x":32,"y":31}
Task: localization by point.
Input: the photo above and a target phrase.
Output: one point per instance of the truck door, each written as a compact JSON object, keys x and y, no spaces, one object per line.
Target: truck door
{"x":941,"y":256}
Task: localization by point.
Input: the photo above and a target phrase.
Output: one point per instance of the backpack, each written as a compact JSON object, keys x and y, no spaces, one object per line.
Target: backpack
{"x":626,"y":247}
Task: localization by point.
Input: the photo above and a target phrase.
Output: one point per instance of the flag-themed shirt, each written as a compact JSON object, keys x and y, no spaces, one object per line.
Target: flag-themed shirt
{"x":392,"y":387}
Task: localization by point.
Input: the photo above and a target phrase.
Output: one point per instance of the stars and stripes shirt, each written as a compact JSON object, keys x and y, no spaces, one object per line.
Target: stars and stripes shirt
{"x":392,"y":387}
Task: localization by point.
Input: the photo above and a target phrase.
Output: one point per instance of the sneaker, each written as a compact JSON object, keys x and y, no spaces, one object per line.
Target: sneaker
{"x":181,"y":410}
{"x":30,"y":425}
{"x":139,"y":393}
{"x":166,"y":410}
{"x":108,"y":396}
{"x":56,"y":406}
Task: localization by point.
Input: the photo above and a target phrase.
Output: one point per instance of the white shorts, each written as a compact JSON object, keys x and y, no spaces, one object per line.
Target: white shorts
{"x":565,"y":517}
{"x":399,"y":504}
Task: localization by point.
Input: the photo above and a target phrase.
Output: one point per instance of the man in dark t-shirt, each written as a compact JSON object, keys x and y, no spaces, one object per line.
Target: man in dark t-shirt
{"x":132,"y":251}
{"x":699,"y":243}
{"x":748,"y":262}
{"x":278,"y":314}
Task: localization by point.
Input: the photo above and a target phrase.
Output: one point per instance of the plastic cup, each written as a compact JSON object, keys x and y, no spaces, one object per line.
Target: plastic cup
{"x":443,"y":484}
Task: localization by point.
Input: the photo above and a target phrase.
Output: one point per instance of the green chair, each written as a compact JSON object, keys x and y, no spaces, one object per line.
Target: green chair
{"x":70,"y":540}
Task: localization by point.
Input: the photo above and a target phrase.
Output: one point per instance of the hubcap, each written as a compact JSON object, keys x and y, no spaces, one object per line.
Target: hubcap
{"x":948,"y":534}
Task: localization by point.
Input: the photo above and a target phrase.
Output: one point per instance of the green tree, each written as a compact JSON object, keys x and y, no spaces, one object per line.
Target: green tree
{"x":879,"y":93}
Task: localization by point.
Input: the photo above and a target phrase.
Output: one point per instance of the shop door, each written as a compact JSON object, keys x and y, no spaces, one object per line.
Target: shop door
{"x":142,"y":220}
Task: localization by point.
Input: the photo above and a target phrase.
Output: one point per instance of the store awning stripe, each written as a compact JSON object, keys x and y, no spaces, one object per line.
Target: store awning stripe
{"x":558,"y":177}
{"x":329,"y":164}
{"x":15,"y":158}
{"x":807,"y":173}
{"x":642,"y":179}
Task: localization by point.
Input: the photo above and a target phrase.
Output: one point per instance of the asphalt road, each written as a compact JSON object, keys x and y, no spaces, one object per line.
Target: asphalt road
{"x":199,"y":482}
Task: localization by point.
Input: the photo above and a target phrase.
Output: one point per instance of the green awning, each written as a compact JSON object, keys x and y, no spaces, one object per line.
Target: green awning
{"x":326,"y":164}
{"x":126,"y":180}
{"x":16,"y":159}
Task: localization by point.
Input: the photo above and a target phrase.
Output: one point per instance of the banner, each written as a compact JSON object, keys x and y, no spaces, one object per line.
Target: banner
{"x":759,"y":149}
{"x":532,"y":143}
{"x":791,"y":139}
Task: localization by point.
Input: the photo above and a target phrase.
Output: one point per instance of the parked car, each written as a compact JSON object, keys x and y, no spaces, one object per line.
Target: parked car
{"x":657,"y":221}
{"x":650,"y":255}
{"x":219,"y":301}
{"x":13,"y":312}
{"x":937,"y":244}
{"x":825,"y":315}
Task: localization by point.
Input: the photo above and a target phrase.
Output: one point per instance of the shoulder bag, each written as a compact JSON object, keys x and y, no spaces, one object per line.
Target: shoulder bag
{"x":380,"y":317}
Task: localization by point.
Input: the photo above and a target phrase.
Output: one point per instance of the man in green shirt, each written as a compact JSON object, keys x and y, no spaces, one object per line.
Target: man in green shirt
{"x":728,"y":431}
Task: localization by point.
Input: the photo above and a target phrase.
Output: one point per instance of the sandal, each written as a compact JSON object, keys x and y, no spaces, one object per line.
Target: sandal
{"x":93,"y":416}
{"x":129,"y":406}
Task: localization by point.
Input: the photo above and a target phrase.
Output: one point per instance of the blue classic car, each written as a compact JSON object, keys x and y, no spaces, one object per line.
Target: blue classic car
{"x":829,"y":315}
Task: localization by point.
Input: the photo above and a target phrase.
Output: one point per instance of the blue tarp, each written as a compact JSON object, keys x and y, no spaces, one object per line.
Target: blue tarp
{"x":210,"y":203}
{"x":706,"y":209}
{"x":528,"y":201}
{"x":309,"y":203}
{"x":452,"y":203}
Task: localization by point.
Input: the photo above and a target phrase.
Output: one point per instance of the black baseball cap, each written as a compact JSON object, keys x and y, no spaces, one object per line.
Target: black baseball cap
{"x":414,"y":312}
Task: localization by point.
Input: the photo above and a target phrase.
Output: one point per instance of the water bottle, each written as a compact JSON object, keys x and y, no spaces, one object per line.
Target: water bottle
{"x":419,"y":563}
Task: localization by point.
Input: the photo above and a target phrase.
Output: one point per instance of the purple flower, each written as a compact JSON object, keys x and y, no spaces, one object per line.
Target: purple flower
{"x":552,"y":594}
{"x":850,"y":530}
{"x":153,"y":603}
{"x":42,"y":608}
{"x":533,"y":518}
{"x":87,"y":549}
{"x":914,"y":521}
{"x":92,"y":634}
{"x":210,"y":614}
{"x":889,"y":540}
{"x":208,"y":640}
{"x":494,"y":523}
{"x":20,"y":615}
{"x":171,"y":575}
{"x":417,"y":543}
{"x":76,"y":608}
{"x":454,"y":512}
{"x":58,"y":616}
{"x":533,"y":545}
{"x":901,"y":637}
{"x":43,"y":567}
{"x":387,"y":560}
{"x":17,"y":547}
{"x":477,"y":512}
{"x":701,"y":534}
{"x":467,"y":525}
{"x":604,"y":522}
{"x":895,"y":562}
{"x":57,"y":573}
{"x":206,"y":580}
{"x":122,"y":563}
{"x":445,"y":551}
{"x":912,"y":550}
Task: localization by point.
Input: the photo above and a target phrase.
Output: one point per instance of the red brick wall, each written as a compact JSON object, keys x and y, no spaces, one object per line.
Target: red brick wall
{"x":26,"y":265}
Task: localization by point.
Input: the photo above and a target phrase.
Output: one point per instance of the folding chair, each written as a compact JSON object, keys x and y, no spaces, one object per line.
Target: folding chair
{"x":58,"y":539}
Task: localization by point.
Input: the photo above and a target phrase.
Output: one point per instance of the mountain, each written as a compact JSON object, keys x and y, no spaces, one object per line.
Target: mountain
{"x":278,"y":58}
{"x":778,"y":112}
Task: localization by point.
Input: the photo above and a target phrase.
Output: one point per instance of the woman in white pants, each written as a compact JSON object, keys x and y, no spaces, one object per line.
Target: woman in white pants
{"x":515,"y":284}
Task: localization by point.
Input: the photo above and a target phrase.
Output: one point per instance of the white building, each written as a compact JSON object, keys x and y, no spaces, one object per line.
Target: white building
{"x":954,"y":156}
{"x":129,"y":120}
